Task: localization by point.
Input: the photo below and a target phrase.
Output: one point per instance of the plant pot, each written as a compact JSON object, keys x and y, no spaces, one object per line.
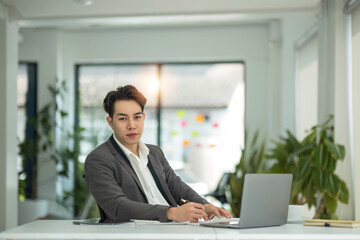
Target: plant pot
{"x":31,"y":209}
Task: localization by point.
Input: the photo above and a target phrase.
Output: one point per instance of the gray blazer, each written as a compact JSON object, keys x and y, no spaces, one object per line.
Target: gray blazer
{"x":117,"y":189}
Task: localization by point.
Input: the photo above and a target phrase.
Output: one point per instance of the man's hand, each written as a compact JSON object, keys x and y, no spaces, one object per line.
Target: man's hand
{"x":187,"y":212}
{"x":211,"y":210}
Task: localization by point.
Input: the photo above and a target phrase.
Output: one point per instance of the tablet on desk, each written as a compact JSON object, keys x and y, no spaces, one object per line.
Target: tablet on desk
{"x":95,"y":221}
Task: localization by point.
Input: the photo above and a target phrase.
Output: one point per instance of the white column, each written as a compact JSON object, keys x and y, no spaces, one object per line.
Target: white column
{"x":326,"y":62}
{"x":333,"y":88}
{"x":8,"y":120}
{"x":355,"y":58}
{"x":274,"y":88}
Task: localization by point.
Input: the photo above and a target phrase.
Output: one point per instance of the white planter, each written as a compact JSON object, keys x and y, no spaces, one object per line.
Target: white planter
{"x":30,"y":210}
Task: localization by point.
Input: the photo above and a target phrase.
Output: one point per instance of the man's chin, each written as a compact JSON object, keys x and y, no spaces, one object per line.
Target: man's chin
{"x":132,"y":141}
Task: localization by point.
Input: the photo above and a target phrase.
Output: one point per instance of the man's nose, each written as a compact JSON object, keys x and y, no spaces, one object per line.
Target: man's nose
{"x":131,"y":124}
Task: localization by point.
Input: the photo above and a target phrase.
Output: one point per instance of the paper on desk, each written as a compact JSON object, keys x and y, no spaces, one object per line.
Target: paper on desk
{"x":229,"y":220}
{"x":225,"y":220}
{"x":153,"y":222}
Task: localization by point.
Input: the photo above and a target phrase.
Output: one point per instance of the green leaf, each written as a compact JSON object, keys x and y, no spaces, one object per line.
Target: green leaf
{"x":260,"y":158}
{"x":296,"y":188}
{"x":304,"y":167}
{"x":319,"y":180}
{"x":44,"y":147}
{"x":63,"y":114}
{"x":331,"y":163}
{"x":344,"y":193}
{"x":337,"y":151}
{"x":333,"y":184}
{"x":320,"y":160}
{"x":277,"y":168}
{"x":309,"y":192}
{"x":292,"y":140}
{"x":330,"y":202}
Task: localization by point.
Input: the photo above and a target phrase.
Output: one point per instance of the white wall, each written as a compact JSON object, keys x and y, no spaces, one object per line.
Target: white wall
{"x":8,"y":142}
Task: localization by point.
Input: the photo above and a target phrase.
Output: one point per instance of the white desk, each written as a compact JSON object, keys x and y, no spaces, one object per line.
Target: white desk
{"x":64,"y":229}
{"x":290,"y":231}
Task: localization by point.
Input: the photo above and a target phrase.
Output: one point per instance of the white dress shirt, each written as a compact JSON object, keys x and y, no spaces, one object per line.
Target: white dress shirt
{"x":142,"y":171}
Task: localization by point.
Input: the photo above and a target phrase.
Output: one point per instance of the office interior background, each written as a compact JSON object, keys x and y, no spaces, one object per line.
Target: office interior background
{"x":211,"y":70}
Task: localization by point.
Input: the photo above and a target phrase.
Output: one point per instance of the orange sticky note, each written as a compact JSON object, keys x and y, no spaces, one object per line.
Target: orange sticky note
{"x":200,"y":118}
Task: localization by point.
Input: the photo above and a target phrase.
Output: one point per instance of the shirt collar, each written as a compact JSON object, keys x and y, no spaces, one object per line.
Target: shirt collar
{"x":143,"y":149}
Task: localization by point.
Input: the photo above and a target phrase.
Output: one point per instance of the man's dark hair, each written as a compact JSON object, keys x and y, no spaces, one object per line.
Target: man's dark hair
{"x":127,"y":92}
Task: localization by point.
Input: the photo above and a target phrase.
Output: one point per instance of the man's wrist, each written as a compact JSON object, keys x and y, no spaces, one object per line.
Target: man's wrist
{"x":170,"y":213}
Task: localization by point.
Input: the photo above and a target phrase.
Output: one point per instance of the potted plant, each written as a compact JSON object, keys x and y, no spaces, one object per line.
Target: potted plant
{"x":312,"y":162}
{"x":251,"y":161}
{"x":45,"y":123}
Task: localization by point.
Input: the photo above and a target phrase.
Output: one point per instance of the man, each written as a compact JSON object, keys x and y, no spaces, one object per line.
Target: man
{"x":131,"y":180}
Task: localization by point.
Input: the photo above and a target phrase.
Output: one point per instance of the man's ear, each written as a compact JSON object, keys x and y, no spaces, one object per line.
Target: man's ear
{"x":109,"y":121}
{"x":144,"y":115}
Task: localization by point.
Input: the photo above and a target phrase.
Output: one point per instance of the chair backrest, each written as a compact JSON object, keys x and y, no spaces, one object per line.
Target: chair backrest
{"x":222,"y":183}
{"x":219,"y":192}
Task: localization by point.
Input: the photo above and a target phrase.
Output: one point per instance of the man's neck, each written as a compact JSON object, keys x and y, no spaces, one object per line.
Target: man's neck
{"x":134,"y":148}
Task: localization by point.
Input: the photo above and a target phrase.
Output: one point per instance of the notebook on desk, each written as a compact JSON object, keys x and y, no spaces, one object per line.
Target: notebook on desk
{"x":265,"y":202}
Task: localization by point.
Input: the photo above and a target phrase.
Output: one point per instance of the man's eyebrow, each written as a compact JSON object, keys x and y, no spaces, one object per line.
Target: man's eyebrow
{"x":123,"y":114}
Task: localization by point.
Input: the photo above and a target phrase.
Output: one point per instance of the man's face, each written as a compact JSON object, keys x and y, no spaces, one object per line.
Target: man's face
{"x":127,"y":123}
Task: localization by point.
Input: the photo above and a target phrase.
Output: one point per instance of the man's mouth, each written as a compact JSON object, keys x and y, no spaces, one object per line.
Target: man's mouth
{"x":132,"y":135}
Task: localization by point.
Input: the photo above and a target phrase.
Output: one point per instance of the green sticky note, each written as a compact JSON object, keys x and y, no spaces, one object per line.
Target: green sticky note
{"x":181,"y":113}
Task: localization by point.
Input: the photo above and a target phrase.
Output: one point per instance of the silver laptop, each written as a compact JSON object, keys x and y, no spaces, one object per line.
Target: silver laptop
{"x":265,"y":202}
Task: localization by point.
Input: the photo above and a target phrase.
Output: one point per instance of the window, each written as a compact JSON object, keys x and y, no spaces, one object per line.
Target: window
{"x":26,"y":103}
{"x":307,"y":84}
{"x":195,"y":112}
{"x":202,"y":112}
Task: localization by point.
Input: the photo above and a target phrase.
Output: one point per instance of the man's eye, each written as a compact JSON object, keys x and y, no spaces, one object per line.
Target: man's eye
{"x":138,"y":117}
{"x":122,"y":119}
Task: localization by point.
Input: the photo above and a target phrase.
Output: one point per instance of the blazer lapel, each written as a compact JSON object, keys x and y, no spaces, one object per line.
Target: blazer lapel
{"x":164,"y":189}
{"x":120,"y":155}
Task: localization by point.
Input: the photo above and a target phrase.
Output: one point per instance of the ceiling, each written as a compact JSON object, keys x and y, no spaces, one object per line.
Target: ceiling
{"x":105,"y":13}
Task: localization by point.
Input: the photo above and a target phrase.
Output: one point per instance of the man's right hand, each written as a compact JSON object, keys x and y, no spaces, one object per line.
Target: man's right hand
{"x":187,"y":212}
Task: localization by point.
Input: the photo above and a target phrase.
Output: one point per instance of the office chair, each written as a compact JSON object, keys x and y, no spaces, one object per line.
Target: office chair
{"x":219,"y":192}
